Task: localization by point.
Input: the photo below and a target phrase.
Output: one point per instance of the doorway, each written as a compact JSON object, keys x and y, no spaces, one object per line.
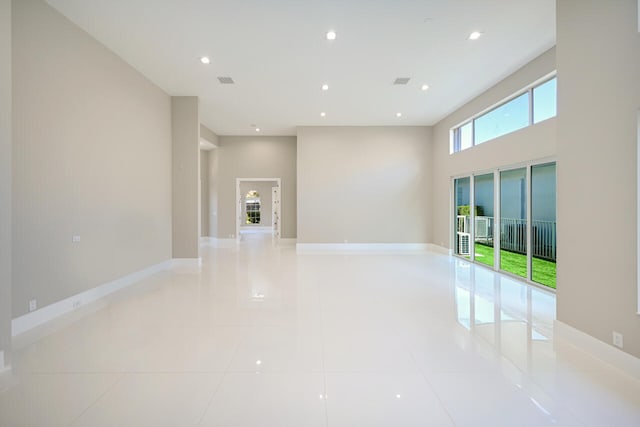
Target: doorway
{"x":258,"y":202}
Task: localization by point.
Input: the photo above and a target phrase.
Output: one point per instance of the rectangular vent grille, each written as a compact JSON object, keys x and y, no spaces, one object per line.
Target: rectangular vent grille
{"x":226,"y":80}
{"x":402,"y":80}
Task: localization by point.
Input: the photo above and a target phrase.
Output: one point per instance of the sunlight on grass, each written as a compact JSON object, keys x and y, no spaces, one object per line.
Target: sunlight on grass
{"x":544,"y":272}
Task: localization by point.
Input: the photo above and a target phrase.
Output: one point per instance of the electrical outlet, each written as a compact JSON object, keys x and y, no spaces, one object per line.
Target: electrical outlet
{"x":33,"y":305}
{"x":346,"y":241}
{"x":75,"y":239}
{"x":617,"y":339}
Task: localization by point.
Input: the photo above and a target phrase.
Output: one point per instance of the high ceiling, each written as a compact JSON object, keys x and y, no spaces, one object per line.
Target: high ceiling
{"x":277,"y":54}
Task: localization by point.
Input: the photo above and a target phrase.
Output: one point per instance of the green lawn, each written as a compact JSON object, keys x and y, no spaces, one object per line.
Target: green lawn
{"x":544,"y":272}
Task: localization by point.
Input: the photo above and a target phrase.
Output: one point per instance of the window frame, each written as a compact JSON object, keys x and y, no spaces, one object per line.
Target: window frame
{"x":456,"y":131}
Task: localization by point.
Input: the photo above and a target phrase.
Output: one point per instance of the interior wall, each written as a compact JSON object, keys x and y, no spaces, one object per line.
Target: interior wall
{"x":5,"y":182}
{"x":212,"y":182}
{"x":598,"y":102}
{"x":527,"y":144}
{"x":91,"y":158}
{"x":364,"y":184}
{"x":185,"y":157}
{"x":204,"y":193}
{"x":264,"y":189}
{"x":256,"y":157}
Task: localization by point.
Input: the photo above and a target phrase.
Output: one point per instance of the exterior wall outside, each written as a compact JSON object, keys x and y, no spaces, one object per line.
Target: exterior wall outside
{"x":364,"y":184}
{"x":255,"y":157}
{"x":598,"y":48}
{"x":91,"y":158}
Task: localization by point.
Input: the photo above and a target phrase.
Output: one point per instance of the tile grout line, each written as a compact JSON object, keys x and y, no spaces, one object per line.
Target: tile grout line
{"x":91,"y":405}
{"x":433,"y":390}
{"x":224,"y":375}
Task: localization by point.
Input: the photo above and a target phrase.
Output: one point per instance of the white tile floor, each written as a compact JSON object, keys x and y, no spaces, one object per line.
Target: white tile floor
{"x":261,"y":336}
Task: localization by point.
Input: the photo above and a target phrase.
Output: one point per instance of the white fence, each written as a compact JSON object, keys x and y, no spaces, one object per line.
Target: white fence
{"x":513,"y":235}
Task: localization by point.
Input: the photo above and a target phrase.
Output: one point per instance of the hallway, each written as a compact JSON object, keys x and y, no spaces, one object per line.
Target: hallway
{"x":262,"y":336}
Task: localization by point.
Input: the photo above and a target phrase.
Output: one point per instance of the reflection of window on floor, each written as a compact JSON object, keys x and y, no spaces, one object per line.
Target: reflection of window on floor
{"x":252,"y":204}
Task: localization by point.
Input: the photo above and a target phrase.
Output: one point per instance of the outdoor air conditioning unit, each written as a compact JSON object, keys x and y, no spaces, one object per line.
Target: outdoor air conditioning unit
{"x":482,"y":227}
{"x":463,"y":243}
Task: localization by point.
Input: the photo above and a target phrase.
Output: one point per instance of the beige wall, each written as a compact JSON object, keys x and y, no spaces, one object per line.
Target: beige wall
{"x":264,"y":189}
{"x":598,"y":101}
{"x":204,"y":193}
{"x":255,"y":157}
{"x":5,"y":180}
{"x":364,"y":184}
{"x":185,"y":131}
{"x":208,"y":134}
{"x":531,"y":143}
{"x":92,"y":157}
{"x":212,"y":183}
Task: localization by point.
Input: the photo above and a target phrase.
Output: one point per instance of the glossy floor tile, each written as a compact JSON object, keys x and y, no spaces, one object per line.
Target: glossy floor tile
{"x":259,"y":335}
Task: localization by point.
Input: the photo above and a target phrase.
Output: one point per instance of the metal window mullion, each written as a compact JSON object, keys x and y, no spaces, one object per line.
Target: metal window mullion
{"x":531,"y":107}
{"x":472,"y":218}
{"x":529,"y":227}
{"x":496,"y":220}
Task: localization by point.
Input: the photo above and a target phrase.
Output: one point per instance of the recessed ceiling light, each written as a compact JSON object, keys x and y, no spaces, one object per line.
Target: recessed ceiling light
{"x":205,"y":60}
{"x":323,"y":114}
{"x":331,"y":35}
{"x":398,"y":114}
{"x":257,"y":129}
{"x":424,"y":87}
{"x":325,"y":87}
{"x":475,"y":35}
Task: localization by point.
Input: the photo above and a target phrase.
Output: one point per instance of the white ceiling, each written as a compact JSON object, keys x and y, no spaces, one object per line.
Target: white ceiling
{"x":276,"y":52}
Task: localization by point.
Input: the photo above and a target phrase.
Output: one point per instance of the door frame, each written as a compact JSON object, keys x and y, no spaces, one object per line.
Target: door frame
{"x":238,"y":201}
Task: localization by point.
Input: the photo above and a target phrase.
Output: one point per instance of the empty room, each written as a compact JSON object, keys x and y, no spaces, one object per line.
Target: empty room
{"x":319,"y":213}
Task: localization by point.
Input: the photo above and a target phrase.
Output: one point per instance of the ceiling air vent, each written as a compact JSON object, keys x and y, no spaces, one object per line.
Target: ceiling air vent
{"x":226,"y":80}
{"x":402,"y":80}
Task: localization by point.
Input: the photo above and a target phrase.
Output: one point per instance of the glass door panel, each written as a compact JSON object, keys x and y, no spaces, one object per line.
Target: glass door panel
{"x":483,"y":197}
{"x":543,"y":224}
{"x":462,"y":216}
{"x":513,"y":221}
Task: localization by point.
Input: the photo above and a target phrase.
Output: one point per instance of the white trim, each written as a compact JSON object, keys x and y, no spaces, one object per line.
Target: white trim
{"x":361,"y":247}
{"x":186,"y":262}
{"x":255,"y":228}
{"x":45,"y":314}
{"x":603,"y":351}
{"x":238,"y":201}
{"x":2,"y":366}
{"x":431,"y":247}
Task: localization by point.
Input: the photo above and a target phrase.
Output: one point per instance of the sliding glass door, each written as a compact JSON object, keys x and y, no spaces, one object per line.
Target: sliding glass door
{"x":513,"y":221}
{"x":543,"y":224}
{"x":462,"y":221}
{"x":525,"y":227}
{"x":484,"y":218}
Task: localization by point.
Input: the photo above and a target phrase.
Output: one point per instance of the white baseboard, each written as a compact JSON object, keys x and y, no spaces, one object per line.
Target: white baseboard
{"x":45,"y":314}
{"x":256,"y":228}
{"x":438,"y":249}
{"x":361,"y":247}
{"x":186,"y":262}
{"x":287,"y":241}
{"x":603,"y":351}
